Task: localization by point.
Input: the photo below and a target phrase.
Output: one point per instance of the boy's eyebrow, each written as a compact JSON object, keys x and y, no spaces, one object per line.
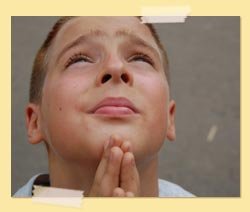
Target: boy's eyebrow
{"x":120,"y":33}
{"x":81,"y":39}
{"x":134,"y":38}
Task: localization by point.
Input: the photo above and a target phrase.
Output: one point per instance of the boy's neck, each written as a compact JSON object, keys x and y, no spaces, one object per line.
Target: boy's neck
{"x":80,"y":177}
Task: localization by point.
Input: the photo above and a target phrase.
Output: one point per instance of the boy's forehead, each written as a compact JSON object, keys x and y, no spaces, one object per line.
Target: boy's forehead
{"x":107,"y":25}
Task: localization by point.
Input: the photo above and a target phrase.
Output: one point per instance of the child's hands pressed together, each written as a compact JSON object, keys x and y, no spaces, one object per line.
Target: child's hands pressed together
{"x":116,"y":174}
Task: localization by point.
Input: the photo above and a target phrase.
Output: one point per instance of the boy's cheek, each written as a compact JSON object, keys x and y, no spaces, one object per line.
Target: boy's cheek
{"x":73,"y":141}
{"x":158,"y":101}
{"x":157,"y":97}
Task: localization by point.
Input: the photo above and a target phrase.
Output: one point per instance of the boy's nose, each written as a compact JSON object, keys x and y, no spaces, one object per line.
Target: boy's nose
{"x":114,"y":71}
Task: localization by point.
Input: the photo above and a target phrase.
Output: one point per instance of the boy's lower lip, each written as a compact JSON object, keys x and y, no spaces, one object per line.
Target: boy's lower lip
{"x":114,"y":111}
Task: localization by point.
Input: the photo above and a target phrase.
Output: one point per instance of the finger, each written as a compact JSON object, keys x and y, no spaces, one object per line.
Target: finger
{"x":111,"y":175}
{"x":126,"y":147}
{"x":104,"y":160}
{"x":129,"y":194}
{"x":114,"y":140}
{"x":98,"y":187}
{"x":130,"y":180}
{"x":112,"y":171}
{"x":105,"y":182}
{"x":118,"y":192}
{"x":95,"y":189}
{"x":117,"y":140}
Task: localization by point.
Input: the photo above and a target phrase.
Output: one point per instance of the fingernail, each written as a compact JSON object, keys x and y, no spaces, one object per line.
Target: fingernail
{"x":128,"y":147}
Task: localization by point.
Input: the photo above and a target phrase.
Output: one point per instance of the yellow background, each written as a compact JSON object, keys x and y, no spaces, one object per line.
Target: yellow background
{"x":119,"y":7}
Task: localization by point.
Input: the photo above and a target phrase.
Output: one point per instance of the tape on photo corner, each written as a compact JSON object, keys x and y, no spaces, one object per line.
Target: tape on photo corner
{"x":57,"y":196}
{"x":165,"y":14}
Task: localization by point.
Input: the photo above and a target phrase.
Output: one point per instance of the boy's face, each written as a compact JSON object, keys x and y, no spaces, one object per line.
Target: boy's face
{"x":111,"y":59}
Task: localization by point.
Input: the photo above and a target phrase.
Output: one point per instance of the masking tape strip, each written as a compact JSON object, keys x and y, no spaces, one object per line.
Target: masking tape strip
{"x":57,"y":196}
{"x":165,"y":14}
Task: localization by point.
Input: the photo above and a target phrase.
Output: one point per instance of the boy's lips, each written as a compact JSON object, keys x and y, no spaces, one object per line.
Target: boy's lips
{"x":114,"y":106}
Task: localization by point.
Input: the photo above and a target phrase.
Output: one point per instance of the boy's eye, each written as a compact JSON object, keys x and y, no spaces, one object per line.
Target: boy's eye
{"x":141,"y":57}
{"x":78,"y":58}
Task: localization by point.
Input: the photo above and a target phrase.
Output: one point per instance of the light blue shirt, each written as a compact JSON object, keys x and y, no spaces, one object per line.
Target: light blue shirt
{"x":166,"y":189}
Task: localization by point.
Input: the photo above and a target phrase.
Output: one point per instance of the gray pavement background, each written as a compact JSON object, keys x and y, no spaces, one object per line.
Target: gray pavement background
{"x":204,"y":55}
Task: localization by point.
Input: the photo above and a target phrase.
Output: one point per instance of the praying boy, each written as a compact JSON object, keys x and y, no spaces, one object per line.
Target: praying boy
{"x":100,"y":101}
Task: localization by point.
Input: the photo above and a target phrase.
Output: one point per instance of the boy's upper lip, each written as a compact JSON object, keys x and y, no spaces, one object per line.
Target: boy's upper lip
{"x":115,"y":102}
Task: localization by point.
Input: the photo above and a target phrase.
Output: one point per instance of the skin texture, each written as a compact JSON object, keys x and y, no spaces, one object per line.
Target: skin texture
{"x":120,"y":152}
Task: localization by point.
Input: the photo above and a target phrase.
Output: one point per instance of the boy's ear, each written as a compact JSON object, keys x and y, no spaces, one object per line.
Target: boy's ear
{"x":171,"y":121}
{"x":33,"y":123}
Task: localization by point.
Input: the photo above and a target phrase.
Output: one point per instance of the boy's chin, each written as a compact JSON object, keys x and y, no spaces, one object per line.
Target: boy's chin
{"x":141,"y":145}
